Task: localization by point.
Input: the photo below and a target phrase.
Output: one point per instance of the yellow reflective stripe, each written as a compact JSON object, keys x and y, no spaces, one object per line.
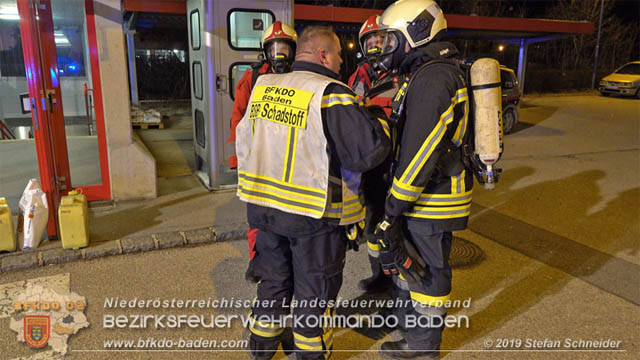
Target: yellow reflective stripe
{"x":271,"y":200}
{"x":427,"y":299}
{"x":290,"y":154}
{"x":405,"y":192}
{"x":264,"y":333}
{"x":299,"y":197}
{"x":385,"y":127}
{"x":432,"y":140}
{"x":266,"y":178}
{"x":355,"y":217}
{"x":328,"y":339}
{"x":338,"y":99}
{"x":454,"y":184}
{"x":373,"y":247}
{"x":462,"y":126}
{"x":444,"y":212}
{"x":307,"y":343}
{"x":457,"y":183}
{"x":333,"y":211}
{"x":357,"y":209}
{"x":444,"y":199}
{"x":353,"y":205}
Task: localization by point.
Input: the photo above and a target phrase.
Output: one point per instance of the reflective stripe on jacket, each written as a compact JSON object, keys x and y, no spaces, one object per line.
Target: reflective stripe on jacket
{"x":283,"y":161}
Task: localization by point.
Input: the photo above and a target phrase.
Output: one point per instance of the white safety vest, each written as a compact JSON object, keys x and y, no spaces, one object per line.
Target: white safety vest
{"x":282,"y":151}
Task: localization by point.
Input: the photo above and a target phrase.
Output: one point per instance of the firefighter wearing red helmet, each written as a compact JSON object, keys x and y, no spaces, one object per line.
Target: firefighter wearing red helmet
{"x":279,"y":49}
{"x":373,"y":186}
{"x":362,"y":80}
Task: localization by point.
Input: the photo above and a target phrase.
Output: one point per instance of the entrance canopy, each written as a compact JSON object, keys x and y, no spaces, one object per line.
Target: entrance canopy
{"x":513,"y":30}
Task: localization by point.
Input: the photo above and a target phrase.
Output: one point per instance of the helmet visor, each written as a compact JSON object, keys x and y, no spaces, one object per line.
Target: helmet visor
{"x":390,"y":42}
{"x":371,"y":44}
{"x":279,"y":50}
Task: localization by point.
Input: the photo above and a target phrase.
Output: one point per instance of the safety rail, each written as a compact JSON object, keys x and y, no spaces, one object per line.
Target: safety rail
{"x":5,"y":132}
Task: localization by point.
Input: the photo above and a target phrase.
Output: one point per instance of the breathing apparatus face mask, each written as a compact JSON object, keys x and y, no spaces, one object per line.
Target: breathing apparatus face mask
{"x":371,"y":44}
{"x":280,"y":55}
{"x":392,"y":53}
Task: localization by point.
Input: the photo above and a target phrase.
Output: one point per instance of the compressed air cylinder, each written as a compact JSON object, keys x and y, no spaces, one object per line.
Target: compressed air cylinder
{"x":7,"y":232}
{"x":73,"y":217}
{"x":485,"y":83}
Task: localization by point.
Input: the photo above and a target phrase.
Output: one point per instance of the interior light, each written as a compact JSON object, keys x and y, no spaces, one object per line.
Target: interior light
{"x":9,"y":17}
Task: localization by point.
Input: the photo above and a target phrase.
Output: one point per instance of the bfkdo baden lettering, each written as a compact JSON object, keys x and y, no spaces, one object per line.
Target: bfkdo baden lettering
{"x":281,"y":105}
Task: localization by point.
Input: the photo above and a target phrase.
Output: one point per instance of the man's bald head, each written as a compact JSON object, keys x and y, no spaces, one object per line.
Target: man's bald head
{"x":320,"y":45}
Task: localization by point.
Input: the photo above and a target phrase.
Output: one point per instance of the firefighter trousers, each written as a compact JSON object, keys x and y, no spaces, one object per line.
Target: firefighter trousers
{"x":422,"y":311}
{"x":308,"y":268}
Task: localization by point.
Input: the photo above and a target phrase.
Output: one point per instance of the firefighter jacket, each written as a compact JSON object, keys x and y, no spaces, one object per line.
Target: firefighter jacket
{"x":361,"y":81}
{"x":242,"y":93}
{"x":435,"y":115}
{"x":301,"y":152}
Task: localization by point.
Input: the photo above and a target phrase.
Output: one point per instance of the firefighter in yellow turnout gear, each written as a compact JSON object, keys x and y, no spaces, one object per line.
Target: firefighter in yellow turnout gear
{"x":431,"y":191}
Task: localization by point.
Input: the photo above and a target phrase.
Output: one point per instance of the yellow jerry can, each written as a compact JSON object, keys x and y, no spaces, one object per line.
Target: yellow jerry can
{"x":73,"y":218}
{"x":7,"y":233}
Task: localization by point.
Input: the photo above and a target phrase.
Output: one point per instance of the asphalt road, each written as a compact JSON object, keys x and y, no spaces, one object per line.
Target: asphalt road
{"x":560,"y":237}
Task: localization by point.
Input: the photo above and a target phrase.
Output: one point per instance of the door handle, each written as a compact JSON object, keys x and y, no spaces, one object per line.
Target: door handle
{"x":51,"y":98}
{"x":221,"y":82}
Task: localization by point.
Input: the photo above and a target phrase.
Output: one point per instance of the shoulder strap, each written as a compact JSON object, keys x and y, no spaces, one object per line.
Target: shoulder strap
{"x":255,"y":72}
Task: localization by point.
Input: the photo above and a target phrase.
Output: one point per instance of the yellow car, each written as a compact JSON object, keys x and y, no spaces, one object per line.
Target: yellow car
{"x":624,"y":81}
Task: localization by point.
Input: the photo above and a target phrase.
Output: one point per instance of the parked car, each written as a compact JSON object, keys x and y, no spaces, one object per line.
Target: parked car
{"x":511,"y":95}
{"x":624,"y":81}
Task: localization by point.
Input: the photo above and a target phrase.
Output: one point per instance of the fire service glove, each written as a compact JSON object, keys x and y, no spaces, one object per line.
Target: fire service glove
{"x":355,"y":233}
{"x":397,"y":255}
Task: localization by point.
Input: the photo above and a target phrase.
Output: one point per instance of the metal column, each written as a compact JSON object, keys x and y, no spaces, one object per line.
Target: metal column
{"x":522,"y":62}
{"x":130,"y":31}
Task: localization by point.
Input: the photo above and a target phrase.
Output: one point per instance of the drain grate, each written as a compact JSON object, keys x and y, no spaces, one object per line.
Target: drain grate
{"x":464,"y":253}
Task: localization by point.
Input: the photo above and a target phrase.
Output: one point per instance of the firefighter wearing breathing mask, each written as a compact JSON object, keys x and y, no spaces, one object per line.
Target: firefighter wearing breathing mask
{"x":427,"y":200}
{"x":279,"y":49}
{"x":373,"y":185}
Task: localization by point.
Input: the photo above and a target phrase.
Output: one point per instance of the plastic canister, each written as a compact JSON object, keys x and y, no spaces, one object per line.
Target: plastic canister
{"x":7,"y":233}
{"x":73,"y":218}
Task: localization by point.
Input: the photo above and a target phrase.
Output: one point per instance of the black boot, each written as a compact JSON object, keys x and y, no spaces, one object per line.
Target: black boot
{"x":400,"y":350}
{"x":378,"y":282}
{"x":250,"y":276}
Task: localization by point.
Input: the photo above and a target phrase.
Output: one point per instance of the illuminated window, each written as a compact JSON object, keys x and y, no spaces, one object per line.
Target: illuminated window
{"x":245,"y":28}
{"x":236,"y":71}
{"x":197,"y":80}
{"x":195,"y":30}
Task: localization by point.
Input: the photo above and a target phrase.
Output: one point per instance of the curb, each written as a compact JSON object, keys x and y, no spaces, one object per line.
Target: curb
{"x":28,"y":259}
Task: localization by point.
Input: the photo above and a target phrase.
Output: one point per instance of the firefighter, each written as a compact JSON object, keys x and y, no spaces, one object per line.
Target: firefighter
{"x":279,"y":47}
{"x":301,"y":148}
{"x":370,"y":43}
{"x":431,"y":192}
{"x":374,"y":186}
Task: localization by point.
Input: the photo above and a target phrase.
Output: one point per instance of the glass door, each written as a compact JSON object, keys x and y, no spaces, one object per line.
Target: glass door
{"x":70,"y":37}
{"x":18,"y":161}
{"x":58,"y":40}
{"x":36,"y":30}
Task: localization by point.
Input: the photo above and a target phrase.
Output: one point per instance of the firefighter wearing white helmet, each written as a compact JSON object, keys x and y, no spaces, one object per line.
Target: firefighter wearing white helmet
{"x":431,"y":192}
